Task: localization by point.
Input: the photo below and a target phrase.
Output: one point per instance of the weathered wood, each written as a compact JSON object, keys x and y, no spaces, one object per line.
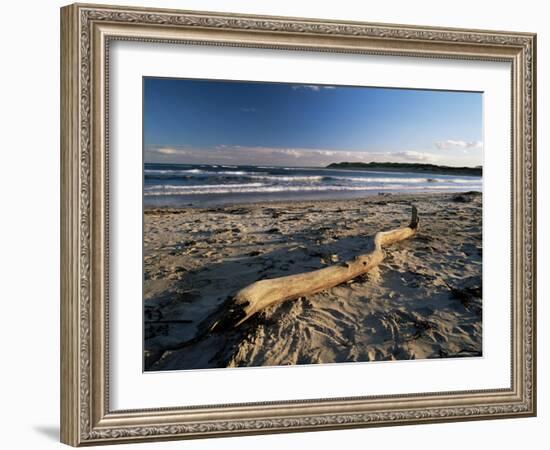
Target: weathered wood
{"x":261,"y":294}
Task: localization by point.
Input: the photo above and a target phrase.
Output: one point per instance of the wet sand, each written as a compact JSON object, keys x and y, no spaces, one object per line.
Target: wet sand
{"x":423,"y":300}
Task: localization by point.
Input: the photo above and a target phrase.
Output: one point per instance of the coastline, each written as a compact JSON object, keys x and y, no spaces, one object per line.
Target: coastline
{"x":423,"y":301}
{"x":177,"y":185}
{"x":433,"y":169}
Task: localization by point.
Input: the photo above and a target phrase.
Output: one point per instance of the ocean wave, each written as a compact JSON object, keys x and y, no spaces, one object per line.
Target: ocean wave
{"x":288,"y":178}
{"x":274,"y":178}
{"x":171,"y":171}
{"x":207,"y":187}
{"x":185,"y":173}
{"x":403,"y":180}
{"x":233,"y":172}
{"x":261,"y":188}
{"x":380,"y":179}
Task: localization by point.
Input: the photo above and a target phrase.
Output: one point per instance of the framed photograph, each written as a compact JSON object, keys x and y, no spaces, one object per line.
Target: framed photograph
{"x":274,"y":224}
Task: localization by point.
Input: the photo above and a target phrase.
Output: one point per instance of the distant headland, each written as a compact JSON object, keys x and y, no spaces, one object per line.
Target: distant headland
{"x":408,"y":167}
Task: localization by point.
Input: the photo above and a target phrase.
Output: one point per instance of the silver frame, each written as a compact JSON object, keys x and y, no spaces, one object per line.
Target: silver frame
{"x":86,"y":33}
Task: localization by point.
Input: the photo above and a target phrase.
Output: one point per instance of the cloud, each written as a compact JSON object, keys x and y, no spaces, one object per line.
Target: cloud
{"x":311,"y":87}
{"x":171,"y":151}
{"x":402,"y":156}
{"x":247,"y":109}
{"x":414,"y":156}
{"x":291,"y":152}
{"x":239,"y":155}
{"x":326,"y":152}
{"x":451,"y":144}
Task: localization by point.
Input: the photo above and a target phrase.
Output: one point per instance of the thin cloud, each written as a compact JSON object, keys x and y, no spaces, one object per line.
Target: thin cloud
{"x":414,"y":156}
{"x":311,"y":87}
{"x":171,"y":151}
{"x":247,"y":109}
{"x":451,"y":144}
{"x":239,"y":155}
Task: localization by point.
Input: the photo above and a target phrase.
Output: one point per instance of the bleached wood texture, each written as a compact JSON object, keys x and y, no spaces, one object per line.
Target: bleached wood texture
{"x":261,"y":294}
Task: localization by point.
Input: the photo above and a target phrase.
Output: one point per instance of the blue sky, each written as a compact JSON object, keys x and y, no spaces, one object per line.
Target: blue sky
{"x":228,"y":122}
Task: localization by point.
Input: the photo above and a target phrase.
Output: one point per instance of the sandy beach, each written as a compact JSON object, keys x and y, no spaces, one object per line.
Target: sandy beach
{"x":422,"y":301}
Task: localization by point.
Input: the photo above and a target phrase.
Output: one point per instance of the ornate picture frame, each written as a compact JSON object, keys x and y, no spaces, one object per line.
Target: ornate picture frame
{"x":87,"y":32}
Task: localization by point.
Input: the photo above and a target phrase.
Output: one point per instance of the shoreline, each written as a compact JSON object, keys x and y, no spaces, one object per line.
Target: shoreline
{"x":424,"y":300}
{"x":410,"y":168}
{"x":178,"y":186}
{"x":368,"y":198}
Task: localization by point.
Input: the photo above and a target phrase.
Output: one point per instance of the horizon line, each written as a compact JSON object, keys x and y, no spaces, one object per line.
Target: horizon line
{"x":480,"y":166}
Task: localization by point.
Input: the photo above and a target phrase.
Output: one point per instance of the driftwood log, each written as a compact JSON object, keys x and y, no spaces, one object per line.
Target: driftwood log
{"x":261,"y":294}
